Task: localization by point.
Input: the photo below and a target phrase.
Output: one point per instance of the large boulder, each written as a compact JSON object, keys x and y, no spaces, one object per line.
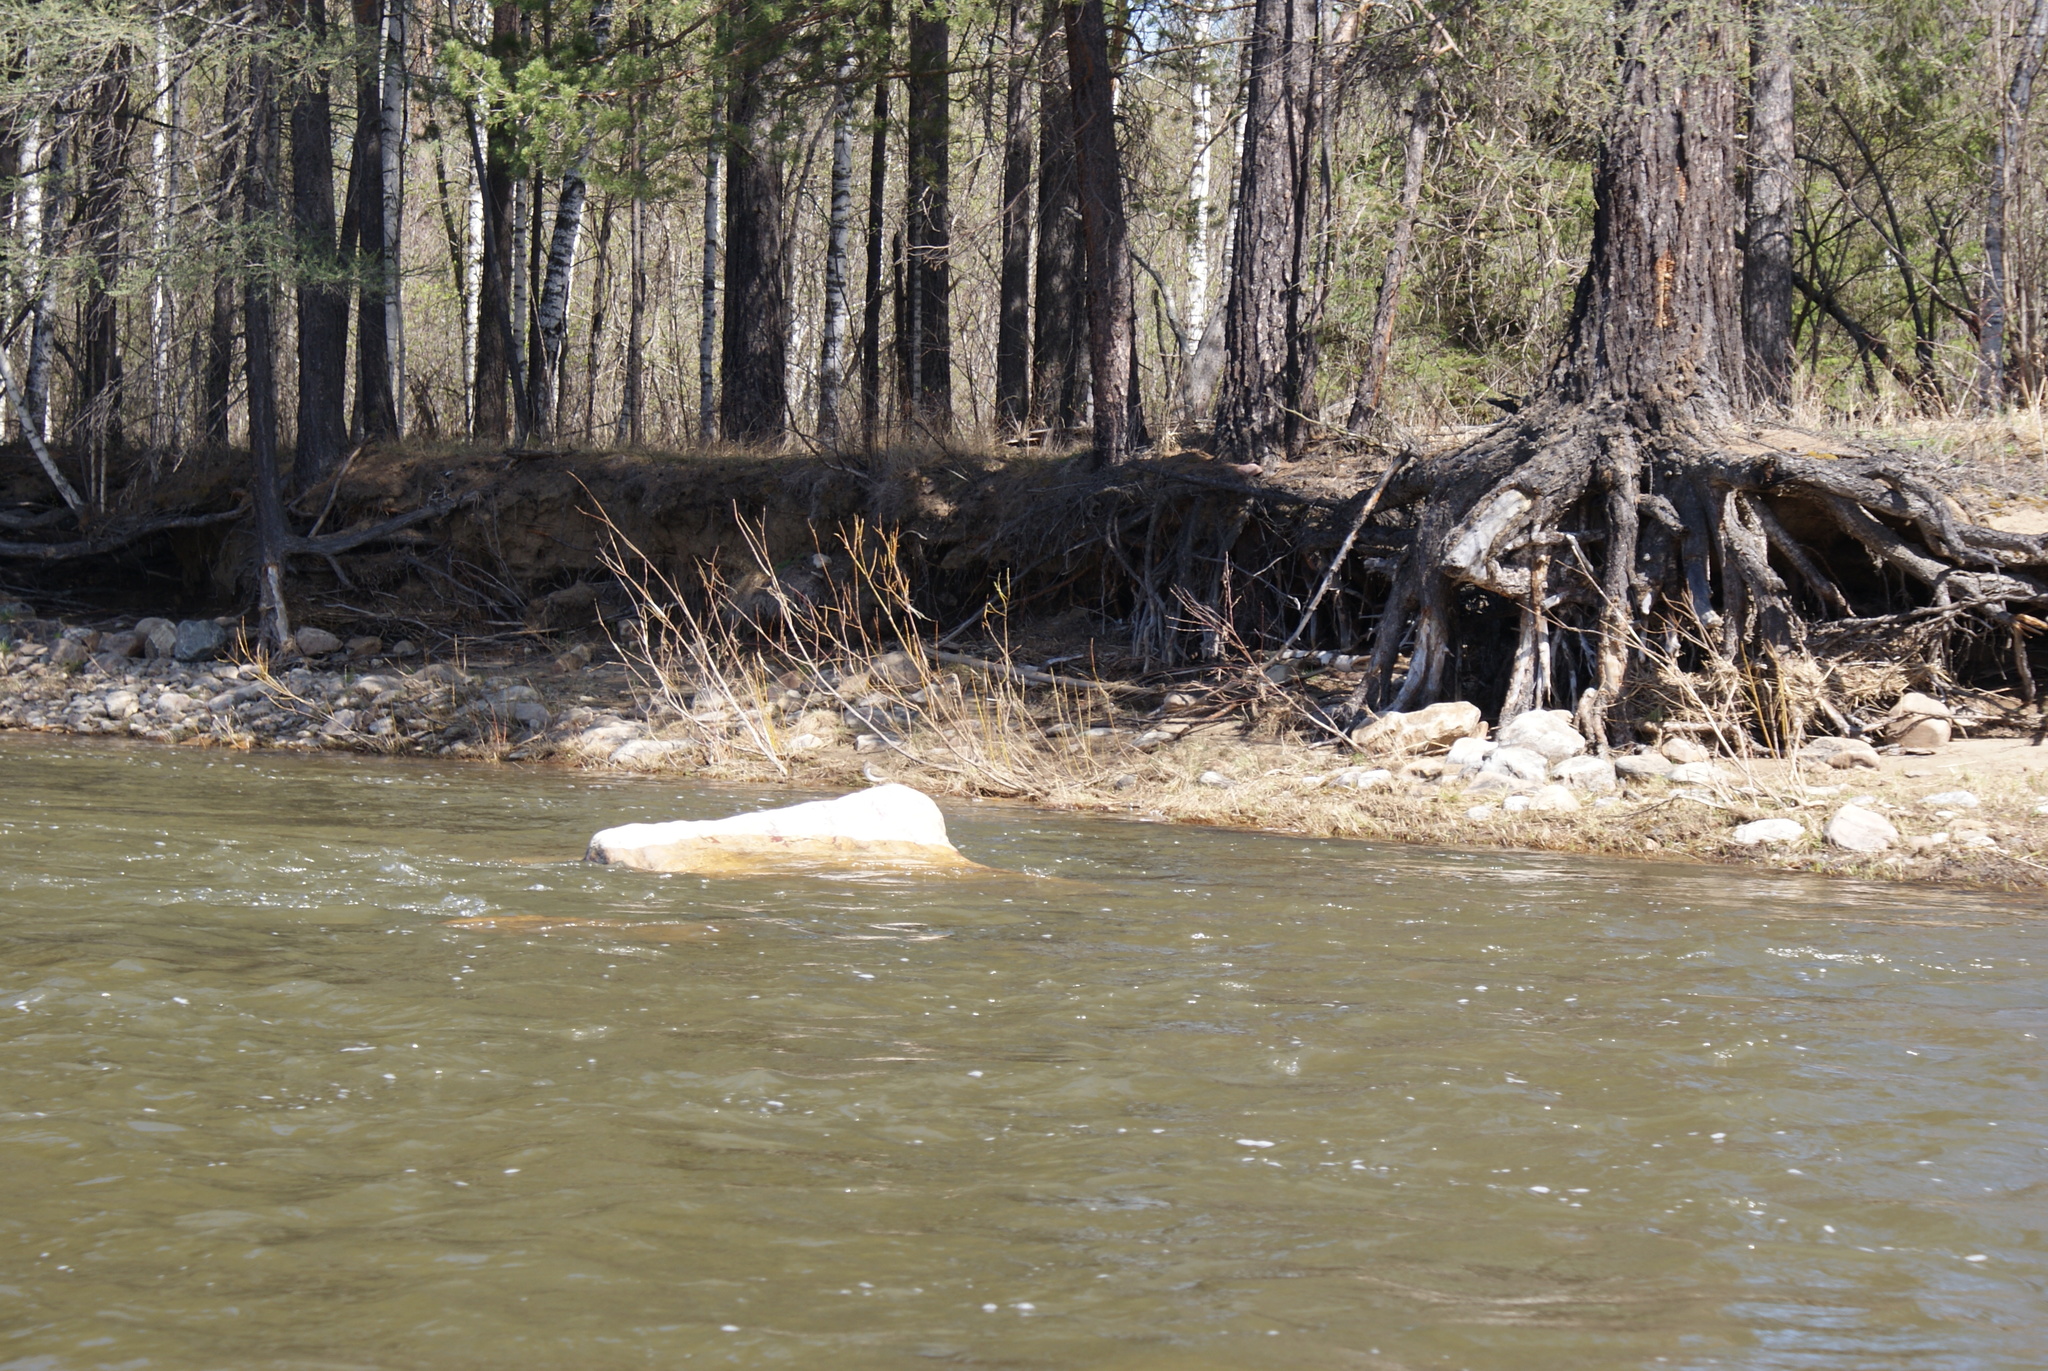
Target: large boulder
{"x":889,"y":825}
{"x":198,"y":640}
{"x":158,"y":637}
{"x":1524,"y":764}
{"x":1594,"y":775}
{"x":1840,"y":753}
{"x":316,"y":642}
{"x":1548,"y":731}
{"x":1421,"y":730}
{"x":1918,"y":723}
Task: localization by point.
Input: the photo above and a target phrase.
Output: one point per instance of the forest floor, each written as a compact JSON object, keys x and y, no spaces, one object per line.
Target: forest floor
{"x":522,"y":661}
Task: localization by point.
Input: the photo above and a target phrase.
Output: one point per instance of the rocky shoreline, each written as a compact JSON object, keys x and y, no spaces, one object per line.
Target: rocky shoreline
{"x":1906,"y":802}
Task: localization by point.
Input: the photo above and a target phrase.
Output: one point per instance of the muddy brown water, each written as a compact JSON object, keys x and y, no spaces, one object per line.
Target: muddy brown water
{"x":1213,"y":1100}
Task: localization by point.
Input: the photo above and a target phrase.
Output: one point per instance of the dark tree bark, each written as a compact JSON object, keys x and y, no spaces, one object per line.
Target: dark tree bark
{"x":322,"y":299}
{"x":2012,"y":125}
{"x":927,"y":164}
{"x":376,"y":409}
{"x":1013,"y":320}
{"x":1098,"y":168}
{"x":1059,"y":326}
{"x":1365,"y":399}
{"x":107,"y":125}
{"x":260,"y":175}
{"x":1640,"y":417}
{"x":1773,"y":201}
{"x":878,"y":185}
{"x":217,"y":369}
{"x":753,"y":402}
{"x":491,"y":421}
{"x":1264,"y":383}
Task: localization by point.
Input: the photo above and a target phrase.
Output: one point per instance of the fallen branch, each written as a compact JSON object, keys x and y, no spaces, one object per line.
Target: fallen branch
{"x":115,"y":539}
{"x":351,"y":538}
{"x":1025,"y":673}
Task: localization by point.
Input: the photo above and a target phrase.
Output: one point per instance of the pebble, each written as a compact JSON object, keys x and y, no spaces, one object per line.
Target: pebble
{"x":1215,"y":778}
{"x":1699,"y":773}
{"x":1683,"y":750}
{"x":1646,"y":766}
{"x":316,"y":642}
{"x":1361,"y":778}
{"x":1593,"y":775}
{"x":1768,"y":831}
{"x":1857,"y":829}
{"x":1951,"y":799}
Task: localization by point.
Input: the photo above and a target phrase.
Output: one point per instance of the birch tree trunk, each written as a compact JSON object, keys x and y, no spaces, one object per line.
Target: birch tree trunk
{"x":2012,"y":124}
{"x":45,"y":153}
{"x":1104,"y":234}
{"x":1261,"y":391}
{"x":832,"y":351}
{"x":164,"y":434}
{"x":878,"y":184}
{"x":1773,"y":204}
{"x":217,"y":365}
{"x":1013,"y":319}
{"x":552,"y":318}
{"x":1195,"y":311}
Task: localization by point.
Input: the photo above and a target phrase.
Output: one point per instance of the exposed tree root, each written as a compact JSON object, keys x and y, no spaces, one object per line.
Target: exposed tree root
{"x":1611,"y":538}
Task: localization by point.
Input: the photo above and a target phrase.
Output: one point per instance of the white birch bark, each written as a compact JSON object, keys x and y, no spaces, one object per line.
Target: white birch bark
{"x":832,"y":355}
{"x":163,"y":411}
{"x":552,"y":318}
{"x":1196,"y":311}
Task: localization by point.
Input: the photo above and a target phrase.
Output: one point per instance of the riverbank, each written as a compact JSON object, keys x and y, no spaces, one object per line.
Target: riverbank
{"x":1973,"y":811}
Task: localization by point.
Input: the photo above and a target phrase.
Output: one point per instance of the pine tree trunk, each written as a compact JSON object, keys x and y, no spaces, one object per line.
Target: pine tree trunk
{"x":260,"y":176}
{"x":491,"y":422}
{"x":107,"y":125}
{"x":600,"y":298}
{"x":1098,"y":168}
{"x":322,"y":300}
{"x":1013,"y":319}
{"x":376,"y":415}
{"x":1365,"y":399}
{"x":927,"y":167}
{"x":2012,"y":126}
{"x":707,"y":310}
{"x":1059,"y":336}
{"x":629,"y":432}
{"x":396,"y":88}
{"x":1262,"y":390}
{"x":832,"y":351}
{"x":1773,"y":202}
{"x":753,"y":403}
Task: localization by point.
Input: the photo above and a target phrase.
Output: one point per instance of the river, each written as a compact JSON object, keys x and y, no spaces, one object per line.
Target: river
{"x":1154,"y":1099}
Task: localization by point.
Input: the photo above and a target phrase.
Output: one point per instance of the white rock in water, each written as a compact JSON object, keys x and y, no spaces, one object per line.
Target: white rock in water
{"x":1547,"y":731}
{"x":1594,"y":775}
{"x":1470,"y":752}
{"x":1861,"y":830}
{"x":1947,"y":799}
{"x":889,"y":825}
{"x":1420,"y":730}
{"x":1770,"y":831}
